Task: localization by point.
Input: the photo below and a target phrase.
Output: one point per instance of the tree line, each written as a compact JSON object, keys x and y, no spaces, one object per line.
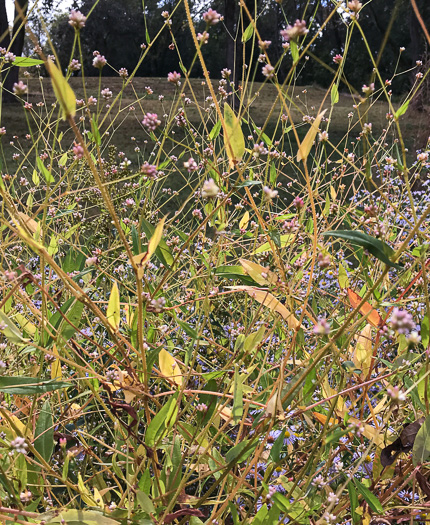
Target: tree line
{"x":119,"y":30}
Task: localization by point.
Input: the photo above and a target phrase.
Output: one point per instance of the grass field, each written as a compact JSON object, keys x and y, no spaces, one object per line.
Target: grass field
{"x":258,"y":102}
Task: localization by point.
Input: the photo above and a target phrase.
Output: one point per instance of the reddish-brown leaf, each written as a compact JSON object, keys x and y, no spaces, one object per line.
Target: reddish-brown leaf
{"x":424,"y":484}
{"x":374,"y":318}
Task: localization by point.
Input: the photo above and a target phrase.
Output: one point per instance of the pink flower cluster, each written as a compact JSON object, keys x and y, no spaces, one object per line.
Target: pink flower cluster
{"x":77,"y":19}
{"x":74,"y":65}
{"x":174,"y":77}
{"x":295,"y":31}
{"x":401,"y":321}
{"x":211,"y":17}
{"x":99,"y":61}
{"x":149,"y":170}
{"x":151,"y":122}
{"x":20,"y":89}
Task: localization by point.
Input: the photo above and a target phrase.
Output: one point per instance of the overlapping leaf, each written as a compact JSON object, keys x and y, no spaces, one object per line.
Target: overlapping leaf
{"x":376,"y":247}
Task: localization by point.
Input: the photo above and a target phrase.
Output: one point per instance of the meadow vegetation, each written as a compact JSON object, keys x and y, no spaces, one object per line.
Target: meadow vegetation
{"x":214,"y":297}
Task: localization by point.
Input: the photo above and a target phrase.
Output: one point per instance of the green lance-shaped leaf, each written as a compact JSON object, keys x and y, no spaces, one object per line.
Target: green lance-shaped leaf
{"x":402,"y":109}
{"x":29,"y":385}
{"x":162,"y":250}
{"x":215,"y":130}
{"x":160,"y":422}
{"x":378,"y":248}
{"x":75,"y":517}
{"x":369,"y":497}
{"x":44,"y":442}
{"x":237,"y":397}
{"x":247,"y":34}
{"x":63,"y":328}
{"x":353,"y":500}
{"x":26,"y":62}
{"x":421,"y":448}
{"x":144,"y":502}
{"x":334,"y":94}
{"x":238,"y":452}
{"x":10,"y":330}
{"x":44,"y":170}
{"x":276,"y":449}
{"x":425,"y":330}
{"x":234,"y":139}
{"x":294,"y":50}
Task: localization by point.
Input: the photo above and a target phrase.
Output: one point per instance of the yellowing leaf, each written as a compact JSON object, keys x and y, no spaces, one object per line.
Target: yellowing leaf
{"x":227,"y":414}
{"x":243,"y":224}
{"x":306,"y":146}
{"x":24,"y":404}
{"x":10,"y":330}
{"x":328,"y":391}
{"x":342,"y":277}
{"x":169,"y":367}
{"x":30,"y":223}
{"x":140,"y":261}
{"x":333,"y":193}
{"x":63,"y":159}
{"x":56,"y":364}
{"x":89,"y":517}
{"x":53,"y":246}
{"x":274,"y":407}
{"x":266,"y":247}
{"x":372,"y":433}
{"x":143,"y":259}
{"x":156,"y":238}
{"x":234,"y":140}
{"x":378,"y":470}
{"x":260,"y":274}
{"x":113,"y":311}
{"x":63,"y":92}
{"x":84,"y":492}
{"x":382,"y":405}
{"x":252,"y":341}
{"x":35,"y":178}
{"x":124,"y":381}
{"x":12,"y":421}
{"x":25,"y":324}
{"x":334,"y":94}
{"x":269,"y":300}
{"x":128,"y":312}
{"x":98,"y":498}
{"x":363,"y":350}
{"x":247,"y":34}
{"x":366,"y":519}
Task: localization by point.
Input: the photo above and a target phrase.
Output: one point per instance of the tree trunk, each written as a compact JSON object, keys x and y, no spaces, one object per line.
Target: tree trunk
{"x":415,"y":33}
{"x":4,"y":26}
{"x":230,"y":48}
{"x":16,"y":47}
{"x":234,"y":49}
{"x":242,"y":56}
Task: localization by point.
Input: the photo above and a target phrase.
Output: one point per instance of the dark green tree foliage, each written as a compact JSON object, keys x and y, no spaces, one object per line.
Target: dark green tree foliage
{"x":117,"y":29}
{"x":375,"y":20}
